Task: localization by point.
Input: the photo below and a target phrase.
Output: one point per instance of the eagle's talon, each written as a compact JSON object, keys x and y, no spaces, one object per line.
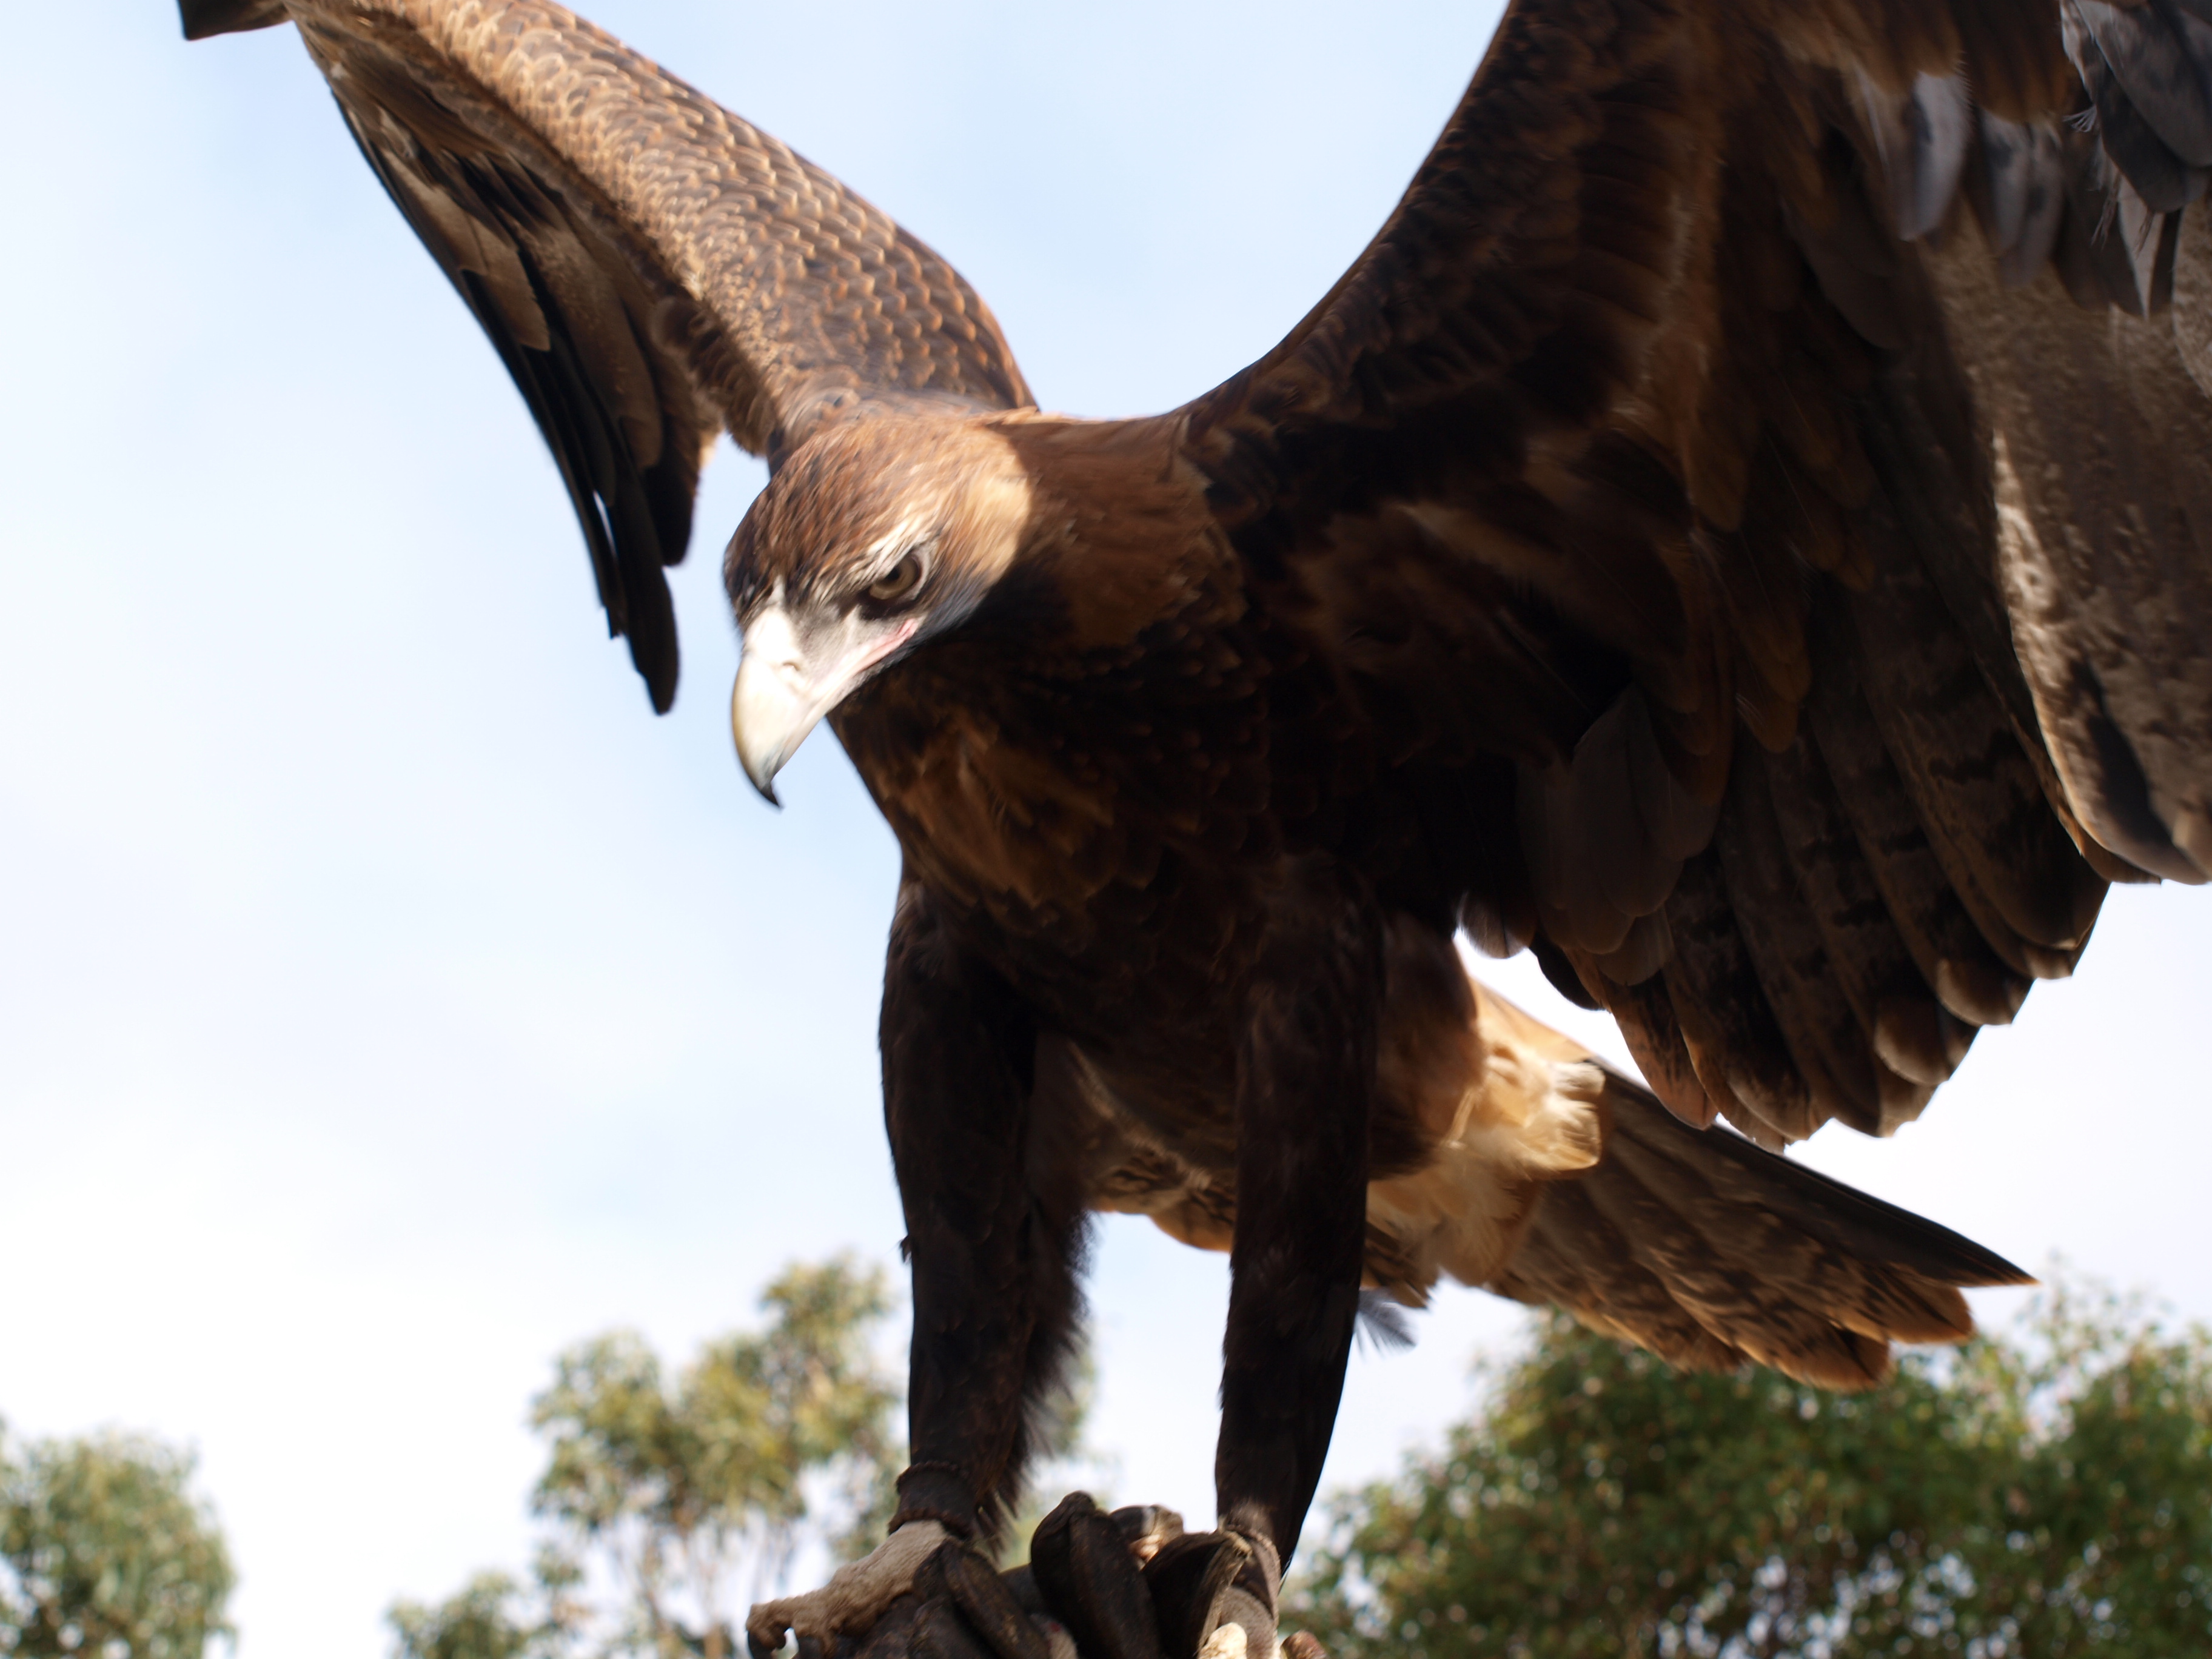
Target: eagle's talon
{"x":1147,"y":1528}
{"x":978,"y":1600}
{"x":1215,"y":1595}
{"x":892,"y":1638}
{"x":857,"y":1595}
{"x":940,"y":1633}
{"x":1088,"y":1575}
{"x":1057,"y":1641}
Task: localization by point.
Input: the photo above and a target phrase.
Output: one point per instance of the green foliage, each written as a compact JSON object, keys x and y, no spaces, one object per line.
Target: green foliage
{"x":671,"y":1493}
{"x":104,"y":1552}
{"x":493,"y":1617}
{"x":727,"y":1448}
{"x":672,"y":1504}
{"x":2043,"y":1499}
{"x":482,"y":1621}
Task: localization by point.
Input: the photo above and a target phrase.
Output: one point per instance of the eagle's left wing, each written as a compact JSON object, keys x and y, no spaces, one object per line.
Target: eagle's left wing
{"x":1752,"y":498}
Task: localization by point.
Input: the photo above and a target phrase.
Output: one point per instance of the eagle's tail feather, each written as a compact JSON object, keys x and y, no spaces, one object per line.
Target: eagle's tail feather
{"x":1710,"y":1252}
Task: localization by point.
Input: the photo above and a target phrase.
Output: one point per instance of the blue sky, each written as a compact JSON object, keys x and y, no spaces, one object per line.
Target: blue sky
{"x":387,"y":1000}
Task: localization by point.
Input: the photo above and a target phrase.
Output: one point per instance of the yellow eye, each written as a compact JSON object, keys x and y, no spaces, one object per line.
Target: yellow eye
{"x":898,"y":582}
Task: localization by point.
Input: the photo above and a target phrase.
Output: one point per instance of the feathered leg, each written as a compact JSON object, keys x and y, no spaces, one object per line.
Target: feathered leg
{"x":1305,"y":1082}
{"x":994,"y":1258}
{"x":1305,"y":1085}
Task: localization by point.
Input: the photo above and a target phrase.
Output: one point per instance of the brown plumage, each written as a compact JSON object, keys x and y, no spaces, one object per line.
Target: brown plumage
{"x":1737,"y":531}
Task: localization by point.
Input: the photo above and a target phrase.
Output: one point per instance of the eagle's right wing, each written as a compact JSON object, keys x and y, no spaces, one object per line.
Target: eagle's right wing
{"x":650,"y":268}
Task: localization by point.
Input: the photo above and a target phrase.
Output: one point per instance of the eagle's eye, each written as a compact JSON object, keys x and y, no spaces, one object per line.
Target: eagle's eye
{"x":897,"y":583}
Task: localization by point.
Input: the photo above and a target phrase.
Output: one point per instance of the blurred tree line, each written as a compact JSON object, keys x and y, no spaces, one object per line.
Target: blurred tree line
{"x":2035,"y":1498}
{"x":2015,"y":1499}
{"x":104,"y":1553}
{"x":671,"y":1504}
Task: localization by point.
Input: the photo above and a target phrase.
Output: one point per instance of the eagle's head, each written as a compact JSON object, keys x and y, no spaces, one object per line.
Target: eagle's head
{"x":877,"y":533}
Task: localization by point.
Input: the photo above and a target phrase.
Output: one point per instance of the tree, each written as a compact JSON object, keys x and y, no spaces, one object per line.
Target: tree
{"x":676,"y":1496}
{"x":481,"y":1621}
{"x":104,"y":1553}
{"x":2045,"y":1498}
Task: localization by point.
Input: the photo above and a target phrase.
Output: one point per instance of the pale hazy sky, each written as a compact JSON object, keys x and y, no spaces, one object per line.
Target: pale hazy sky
{"x":387,"y":1000}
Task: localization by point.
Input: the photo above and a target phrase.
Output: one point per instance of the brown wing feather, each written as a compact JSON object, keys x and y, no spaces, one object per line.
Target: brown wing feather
{"x":650,"y":268}
{"x":1836,"y":436}
{"x":1709,"y":1251}
{"x":202,"y":18}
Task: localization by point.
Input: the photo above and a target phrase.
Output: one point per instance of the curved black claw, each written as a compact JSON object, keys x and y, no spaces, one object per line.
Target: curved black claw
{"x":1090,"y":1580}
{"x":961,"y":1583}
{"x":1214,"y":1593}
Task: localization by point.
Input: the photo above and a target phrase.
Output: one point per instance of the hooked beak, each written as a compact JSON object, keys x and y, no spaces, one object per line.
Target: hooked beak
{"x":781,"y":693}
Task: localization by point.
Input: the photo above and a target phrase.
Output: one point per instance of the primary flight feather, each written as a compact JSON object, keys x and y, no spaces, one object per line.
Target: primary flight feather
{"x":1737,"y":531}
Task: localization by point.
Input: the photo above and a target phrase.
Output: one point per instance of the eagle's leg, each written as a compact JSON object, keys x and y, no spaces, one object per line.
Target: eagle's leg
{"x":994,"y":1250}
{"x":993,"y":1256}
{"x":1305,"y":1081}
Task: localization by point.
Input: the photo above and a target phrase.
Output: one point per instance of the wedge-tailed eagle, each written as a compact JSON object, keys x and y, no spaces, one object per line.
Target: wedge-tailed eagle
{"x":1739,"y":531}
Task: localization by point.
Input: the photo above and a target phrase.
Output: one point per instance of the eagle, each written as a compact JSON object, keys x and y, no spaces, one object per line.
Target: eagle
{"x":1738,"y":531}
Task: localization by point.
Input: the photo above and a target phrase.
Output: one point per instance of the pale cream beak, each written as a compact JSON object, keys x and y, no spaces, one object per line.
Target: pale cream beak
{"x":782,"y":694}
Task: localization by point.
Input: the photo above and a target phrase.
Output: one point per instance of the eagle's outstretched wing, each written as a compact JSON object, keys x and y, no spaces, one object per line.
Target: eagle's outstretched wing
{"x":650,"y":268}
{"x":1754,"y":494}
